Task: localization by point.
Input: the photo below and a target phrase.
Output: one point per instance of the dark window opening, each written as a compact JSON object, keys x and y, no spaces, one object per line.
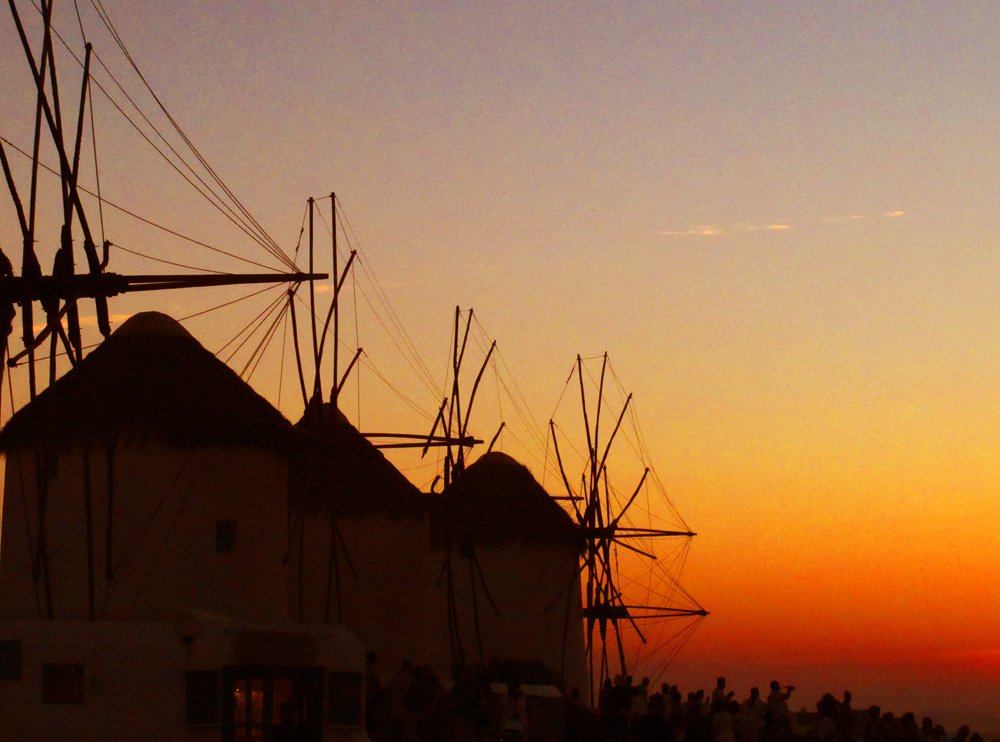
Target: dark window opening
{"x":203,"y":696}
{"x":225,"y":536}
{"x":62,"y":683}
{"x":10,"y":659}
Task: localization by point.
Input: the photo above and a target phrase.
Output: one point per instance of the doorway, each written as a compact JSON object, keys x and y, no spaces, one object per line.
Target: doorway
{"x":270,"y":704}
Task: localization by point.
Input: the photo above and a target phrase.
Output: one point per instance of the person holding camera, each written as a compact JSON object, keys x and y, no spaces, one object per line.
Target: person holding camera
{"x":778,"y":719}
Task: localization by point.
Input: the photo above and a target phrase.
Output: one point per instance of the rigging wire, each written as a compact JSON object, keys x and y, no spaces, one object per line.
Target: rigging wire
{"x":166,"y":538}
{"x":406,"y":357}
{"x":390,"y":324}
{"x":97,"y":170}
{"x":421,"y":368}
{"x":370,"y":365}
{"x":228,"y":303}
{"x":678,"y":640}
{"x":263,"y":345}
{"x":24,"y":497}
{"x":165,"y":262}
{"x":517,"y":398}
{"x":129,"y":553}
{"x":140,"y":218}
{"x":657,"y":580}
{"x":266,"y":242}
{"x":79,"y":20}
{"x":250,"y":328}
{"x":217,"y":307}
{"x":269,"y":243}
{"x":93,"y":126}
{"x":281,"y":365}
{"x":204,"y":189}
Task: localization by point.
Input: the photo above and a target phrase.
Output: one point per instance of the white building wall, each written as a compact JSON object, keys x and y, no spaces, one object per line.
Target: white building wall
{"x":165,"y":506}
{"x":134,"y":676}
{"x":398,"y":604}
{"x":389,"y":604}
{"x":530,"y":585}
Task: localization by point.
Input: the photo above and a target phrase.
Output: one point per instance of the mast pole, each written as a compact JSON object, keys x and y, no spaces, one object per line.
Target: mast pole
{"x":312,"y":295}
{"x":298,"y":354}
{"x":335,"y":395}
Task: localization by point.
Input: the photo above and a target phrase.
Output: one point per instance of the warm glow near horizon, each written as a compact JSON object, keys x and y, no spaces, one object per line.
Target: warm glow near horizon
{"x":778,"y":219}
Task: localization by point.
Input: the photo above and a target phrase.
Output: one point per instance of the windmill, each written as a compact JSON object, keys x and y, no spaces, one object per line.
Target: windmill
{"x":57,"y":295}
{"x":58,"y":134}
{"x":603,"y":517}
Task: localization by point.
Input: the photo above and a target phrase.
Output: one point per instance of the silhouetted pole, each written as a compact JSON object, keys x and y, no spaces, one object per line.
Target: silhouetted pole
{"x":335,"y":395}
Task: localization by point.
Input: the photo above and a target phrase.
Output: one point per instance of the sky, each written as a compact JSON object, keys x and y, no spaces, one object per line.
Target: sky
{"x":778,"y":219}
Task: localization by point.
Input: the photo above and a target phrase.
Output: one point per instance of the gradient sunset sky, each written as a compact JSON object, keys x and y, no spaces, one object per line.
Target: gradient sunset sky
{"x":779,"y":219}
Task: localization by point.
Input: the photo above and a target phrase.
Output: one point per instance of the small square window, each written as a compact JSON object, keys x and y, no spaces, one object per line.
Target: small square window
{"x":62,"y":683}
{"x":10,"y":659}
{"x":225,"y":536}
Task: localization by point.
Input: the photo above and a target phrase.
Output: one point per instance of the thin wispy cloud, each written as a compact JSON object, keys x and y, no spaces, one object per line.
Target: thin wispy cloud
{"x":856,"y":217}
{"x":754,"y":226}
{"x":716,"y":231}
{"x":699,"y":231}
{"x":776,"y":226}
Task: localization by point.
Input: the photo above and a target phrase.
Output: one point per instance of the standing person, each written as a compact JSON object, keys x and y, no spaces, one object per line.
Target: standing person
{"x":719,"y":692}
{"x":722,"y":722}
{"x":604,"y":703}
{"x":845,"y":719}
{"x":871,"y":732}
{"x":908,"y":728}
{"x":429,"y":702}
{"x":619,"y":701}
{"x":827,"y":726}
{"x":706,"y":733}
{"x":676,"y":714}
{"x":465,"y":703}
{"x":654,"y":725}
{"x":777,"y":708}
{"x":692,"y":719}
{"x":638,"y":705}
{"x":888,"y":728}
{"x":927,"y":730}
{"x":752,"y":713}
{"x":395,"y":691}
{"x":374,"y":698}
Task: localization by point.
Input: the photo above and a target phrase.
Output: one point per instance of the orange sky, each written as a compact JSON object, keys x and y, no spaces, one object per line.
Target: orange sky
{"x":779,"y":221}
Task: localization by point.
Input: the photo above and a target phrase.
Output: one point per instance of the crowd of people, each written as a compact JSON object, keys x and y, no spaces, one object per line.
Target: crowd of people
{"x":630,"y":713}
{"x":413,"y":705}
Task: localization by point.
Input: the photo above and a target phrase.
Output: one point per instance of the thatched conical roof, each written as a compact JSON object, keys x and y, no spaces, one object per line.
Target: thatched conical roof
{"x":497,"y":500}
{"x":150,"y":380}
{"x":342,"y":473}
